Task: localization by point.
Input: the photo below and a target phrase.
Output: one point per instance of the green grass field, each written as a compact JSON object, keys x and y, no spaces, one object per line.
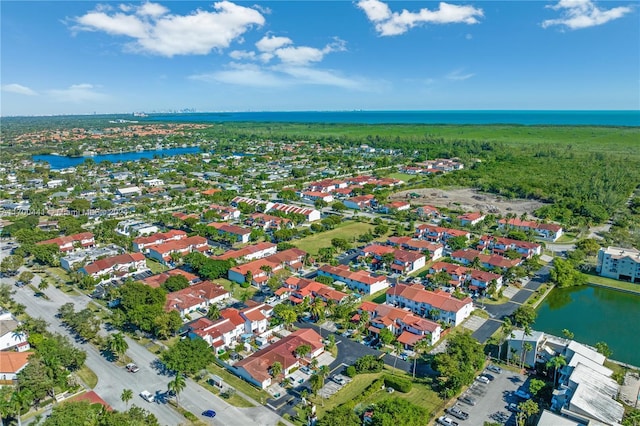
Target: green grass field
{"x":88,"y":376}
{"x":348,"y":230}
{"x":156,"y":267}
{"x":611,"y":283}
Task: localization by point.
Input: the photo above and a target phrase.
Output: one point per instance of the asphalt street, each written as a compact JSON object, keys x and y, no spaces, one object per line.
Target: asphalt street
{"x":113,"y":379}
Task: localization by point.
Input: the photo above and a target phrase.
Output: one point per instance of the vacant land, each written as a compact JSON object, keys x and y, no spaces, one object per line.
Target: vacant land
{"x":348,"y":231}
{"x":468,"y":199}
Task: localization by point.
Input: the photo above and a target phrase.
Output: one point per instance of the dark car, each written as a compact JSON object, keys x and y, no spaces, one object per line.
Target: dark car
{"x":491,"y":377}
{"x":467,"y":400}
{"x":458,"y":413}
{"x":209,"y":413}
{"x":494,"y":369}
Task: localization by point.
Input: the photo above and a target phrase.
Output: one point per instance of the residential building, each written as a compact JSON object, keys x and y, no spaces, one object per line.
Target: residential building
{"x":80,"y":257}
{"x":395,"y":206}
{"x":123,"y":265}
{"x":471,"y":218}
{"x":162,"y":252}
{"x":301,"y":288}
{"x":545,"y":231}
{"x":361,"y":202}
{"x":438,"y":234}
{"x":316,"y":195}
{"x":433,"y":250}
{"x":268,"y":222}
{"x":256,"y":368}
{"x":153,"y":182}
{"x":311,"y":215}
{"x":428,"y":212}
{"x":11,"y":337}
{"x":11,"y":363}
{"x":493,"y":261}
{"x":548,"y":418}
{"x":261,"y":269}
{"x":619,"y":264}
{"x":221,"y":334}
{"x":140,"y":244}
{"x":260,"y":205}
{"x":238,"y":233}
{"x":500,"y":245}
{"x":70,"y":243}
{"x":256,"y":318}
{"x":225,"y":213}
{"x":356,"y":280}
{"x":248,"y":253}
{"x":129,"y":191}
{"x":438,"y":305}
{"x":135,"y":227}
{"x":197,"y":296}
{"x":157,"y":280}
{"x":408,"y":327}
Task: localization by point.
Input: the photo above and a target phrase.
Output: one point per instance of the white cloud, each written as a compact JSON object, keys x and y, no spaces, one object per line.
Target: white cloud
{"x":388,"y":23}
{"x":243,"y":75}
{"x":271,"y":43}
{"x":78,"y":93}
{"x":242,"y":54}
{"x":19,"y":89}
{"x":458,"y":75}
{"x":158,"y":32}
{"x":578,"y":14}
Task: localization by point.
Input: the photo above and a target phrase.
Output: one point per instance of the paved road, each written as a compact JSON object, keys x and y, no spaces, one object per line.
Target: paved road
{"x":113,"y":379}
{"x":497,"y":312}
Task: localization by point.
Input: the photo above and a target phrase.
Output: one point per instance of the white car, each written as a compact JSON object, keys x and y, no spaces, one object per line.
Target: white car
{"x":147,"y":396}
{"x":483,"y":379}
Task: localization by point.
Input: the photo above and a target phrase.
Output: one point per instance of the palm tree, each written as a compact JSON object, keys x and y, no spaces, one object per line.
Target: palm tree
{"x":177,"y":385}
{"x":126,"y":396}
{"x":419,"y":348}
{"x":556,"y":362}
{"x":397,"y":347}
{"x":44,"y":284}
{"x":118,"y":345}
{"x":507,"y":331}
{"x":317,"y":309}
{"x":302,"y":350}
{"x":214,"y":312}
{"x":276,"y":369}
{"x":475,"y":264}
{"x":526,"y":347}
{"x":324,"y":371}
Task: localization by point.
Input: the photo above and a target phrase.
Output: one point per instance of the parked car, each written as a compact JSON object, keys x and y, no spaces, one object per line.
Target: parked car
{"x":132,"y":368}
{"x":446,"y":421}
{"x":339,"y":380}
{"x":305,"y":370}
{"x":483,"y":379}
{"x":522,"y":394}
{"x":209,"y":413}
{"x":147,"y":396}
{"x":467,"y":400}
{"x":488,"y":376}
{"x":494,"y":369}
{"x":457,"y":412}
{"x":513,"y":407}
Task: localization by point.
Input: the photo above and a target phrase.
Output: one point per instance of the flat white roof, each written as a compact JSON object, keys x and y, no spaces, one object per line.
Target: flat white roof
{"x":550,"y":419}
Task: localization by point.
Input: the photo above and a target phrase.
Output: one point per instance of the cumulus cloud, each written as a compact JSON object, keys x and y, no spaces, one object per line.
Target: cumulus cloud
{"x":578,"y":14}
{"x":271,"y":43}
{"x":155,"y":30}
{"x":78,"y":93}
{"x":19,"y":89}
{"x":389,"y":23}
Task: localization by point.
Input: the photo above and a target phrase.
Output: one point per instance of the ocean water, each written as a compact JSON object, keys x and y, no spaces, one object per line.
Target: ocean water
{"x":556,"y":118}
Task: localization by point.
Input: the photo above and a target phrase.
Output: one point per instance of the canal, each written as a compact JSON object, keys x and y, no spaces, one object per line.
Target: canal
{"x":595,"y":314}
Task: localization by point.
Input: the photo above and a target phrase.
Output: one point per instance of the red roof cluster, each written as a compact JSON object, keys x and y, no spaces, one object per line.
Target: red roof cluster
{"x":109,"y":262}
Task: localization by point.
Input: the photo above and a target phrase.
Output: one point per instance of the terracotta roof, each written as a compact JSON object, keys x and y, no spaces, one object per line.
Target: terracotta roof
{"x":245,"y":251}
{"x":440,"y":300}
{"x":193,"y":295}
{"x":233,"y":315}
{"x":122,"y":259}
{"x":13,"y":362}
{"x":343,"y":271}
{"x":230,"y":229}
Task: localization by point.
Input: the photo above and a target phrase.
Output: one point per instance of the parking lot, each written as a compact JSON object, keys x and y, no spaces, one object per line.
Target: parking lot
{"x":332,"y":386}
{"x":492,"y":399}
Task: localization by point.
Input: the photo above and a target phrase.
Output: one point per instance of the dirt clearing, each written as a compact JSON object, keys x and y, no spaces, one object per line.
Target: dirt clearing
{"x":467,"y":199}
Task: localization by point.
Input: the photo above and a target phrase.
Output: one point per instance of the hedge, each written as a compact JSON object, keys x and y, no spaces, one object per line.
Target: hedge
{"x":398,"y":383}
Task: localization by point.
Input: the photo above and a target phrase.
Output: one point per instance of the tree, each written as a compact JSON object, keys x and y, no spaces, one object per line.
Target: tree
{"x":317,"y":309}
{"x":302,"y":350}
{"x":419,"y":348}
{"x":188,"y":355}
{"x":457,"y":366}
{"x":568,"y":334}
{"x":399,"y":411}
{"x":604,"y":349}
{"x":397,"y":347}
{"x":457,"y":243}
{"x":43,"y":285}
{"x":126,"y":396}
{"x":118,"y":345}
{"x":26,"y":276}
{"x":214,"y":312}
{"x":343,"y":415}
{"x":386,"y":336}
{"x":316,"y":382}
{"x":556,"y":362}
{"x":564,"y":274}
{"x":526,"y":347}
{"x":535,"y":386}
{"x":527,"y":409}
{"x":324,"y":371}
{"x":286,"y":313}
{"x":524,"y":315}
{"x":11,"y":264}
{"x":80,"y":205}
{"x":177,"y":385}
{"x":276,"y":369}
{"x":175,"y":283}
{"x":507,"y":332}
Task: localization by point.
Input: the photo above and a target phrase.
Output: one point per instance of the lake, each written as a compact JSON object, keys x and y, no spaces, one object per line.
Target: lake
{"x":594,"y":314}
{"x":58,"y":162}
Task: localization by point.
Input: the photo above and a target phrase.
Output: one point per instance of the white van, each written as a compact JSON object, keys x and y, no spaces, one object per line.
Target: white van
{"x":147,"y":396}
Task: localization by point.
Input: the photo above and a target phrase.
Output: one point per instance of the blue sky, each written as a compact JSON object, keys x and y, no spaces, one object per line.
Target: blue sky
{"x":114,"y":57}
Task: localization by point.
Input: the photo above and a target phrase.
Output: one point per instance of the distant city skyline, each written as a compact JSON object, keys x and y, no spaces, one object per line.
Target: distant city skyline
{"x":118,"y":57}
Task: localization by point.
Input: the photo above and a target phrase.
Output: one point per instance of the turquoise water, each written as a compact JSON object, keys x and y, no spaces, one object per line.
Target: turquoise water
{"x":60,"y":162}
{"x":595,"y":314}
{"x":596,"y":118}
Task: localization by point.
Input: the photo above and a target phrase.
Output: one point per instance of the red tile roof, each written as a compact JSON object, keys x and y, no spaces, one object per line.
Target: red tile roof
{"x":440,"y":300}
{"x":122,"y":259}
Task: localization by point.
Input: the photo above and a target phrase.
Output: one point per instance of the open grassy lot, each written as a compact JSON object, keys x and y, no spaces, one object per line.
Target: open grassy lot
{"x":236,"y":382}
{"x":156,"y":267}
{"x":615,"y":284}
{"x":348,"y":230}
{"x":88,"y":376}
{"x":235,"y":400}
{"x":236,"y":291}
{"x":379,"y":297}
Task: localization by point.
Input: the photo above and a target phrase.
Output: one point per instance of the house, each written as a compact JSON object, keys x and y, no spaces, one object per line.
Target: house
{"x":256,"y":318}
{"x":11,"y":336}
{"x":428,"y":212}
{"x":301,"y":288}
{"x":123,"y":265}
{"x":356,"y":280}
{"x":211,"y":191}
{"x":406,"y":262}
{"x":482,"y":280}
{"x":225,"y":213}
{"x":395,"y":206}
{"x":140,"y":244}
{"x":70,"y":243}
{"x":238,"y":233}
{"x":260,"y":205}
{"x":311,"y":215}
{"x":619,"y":264}
{"x":433,"y":250}
{"x":438,"y":234}
{"x":361,"y":202}
{"x":135,"y":227}
{"x":55,"y":183}
{"x":268,"y":222}
{"x":153,"y":182}
{"x":316,"y":195}
{"x":500,"y":245}
{"x":256,"y":368}
{"x":197,"y":296}
{"x":222,"y":334}
{"x":129,"y":191}
{"x":157,"y":280}
{"x":11,"y":363}
{"x":327,"y":185}
{"x":162,"y":252}
{"x":545,"y":231}
{"x":72,"y":259}
{"x":472,"y":218}
{"x":408,"y":327}
{"x":438,"y":305}
{"x":458,"y":273}
{"x":248,"y":253}
{"x":261,"y":269}
{"x":492,"y":261}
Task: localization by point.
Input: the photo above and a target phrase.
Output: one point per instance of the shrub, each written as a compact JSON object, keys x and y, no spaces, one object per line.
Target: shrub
{"x":351,"y":371}
{"x":398,"y":383}
{"x":369,"y":364}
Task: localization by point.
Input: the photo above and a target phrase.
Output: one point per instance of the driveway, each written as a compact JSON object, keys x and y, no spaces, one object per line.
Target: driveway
{"x":113,"y":379}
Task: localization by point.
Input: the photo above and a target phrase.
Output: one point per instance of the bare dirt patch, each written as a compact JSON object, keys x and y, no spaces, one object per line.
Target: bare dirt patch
{"x":468,"y":199}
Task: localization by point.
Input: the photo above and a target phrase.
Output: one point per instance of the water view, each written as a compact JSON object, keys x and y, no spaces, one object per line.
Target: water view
{"x":595,"y":314}
{"x":61,"y":162}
